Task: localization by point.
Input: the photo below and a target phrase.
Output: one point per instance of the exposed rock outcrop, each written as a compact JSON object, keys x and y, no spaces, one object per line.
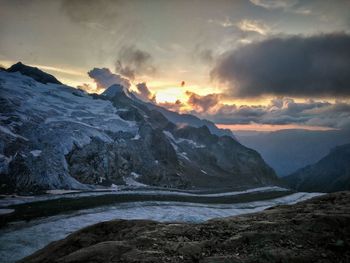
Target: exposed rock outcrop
{"x":34,"y":73}
{"x":317,"y":230}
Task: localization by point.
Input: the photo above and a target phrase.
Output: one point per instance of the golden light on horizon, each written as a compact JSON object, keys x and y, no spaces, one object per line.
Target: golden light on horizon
{"x":270,"y":127}
{"x":169,"y":95}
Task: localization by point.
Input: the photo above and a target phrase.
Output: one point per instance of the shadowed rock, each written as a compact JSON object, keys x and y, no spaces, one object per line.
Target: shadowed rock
{"x":34,"y":73}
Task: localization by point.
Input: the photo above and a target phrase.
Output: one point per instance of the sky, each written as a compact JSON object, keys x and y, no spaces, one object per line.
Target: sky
{"x":254,"y":65}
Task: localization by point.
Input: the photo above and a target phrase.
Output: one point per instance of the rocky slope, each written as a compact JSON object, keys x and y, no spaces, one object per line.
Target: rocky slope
{"x":330,"y":174}
{"x":317,"y":230}
{"x":53,"y":136}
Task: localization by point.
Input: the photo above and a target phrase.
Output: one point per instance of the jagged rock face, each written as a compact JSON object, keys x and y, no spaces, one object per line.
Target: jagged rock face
{"x":330,"y":174}
{"x":152,"y":160}
{"x":223,"y":158}
{"x":54,"y":136}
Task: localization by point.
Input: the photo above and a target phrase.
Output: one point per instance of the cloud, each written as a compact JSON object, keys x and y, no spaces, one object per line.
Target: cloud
{"x":203,"y":55}
{"x":88,"y":88}
{"x":257,"y":26}
{"x":133,"y":61}
{"x":295,"y":66}
{"x":274,"y":4}
{"x":176,"y":106}
{"x":278,"y":111}
{"x":286,"y":111}
{"x":292,"y":6}
{"x":202,"y":103}
{"x":104,"y":78}
{"x":144,"y":93}
{"x":224,"y":23}
{"x":93,"y":12}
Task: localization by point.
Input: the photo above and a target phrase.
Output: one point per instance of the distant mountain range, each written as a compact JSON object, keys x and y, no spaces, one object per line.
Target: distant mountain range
{"x":330,"y":174}
{"x":289,"y":150}
{"x":57,"y":137}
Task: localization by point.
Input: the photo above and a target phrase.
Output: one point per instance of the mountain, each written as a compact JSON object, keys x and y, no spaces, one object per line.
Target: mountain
{"x":330,"y":174}
{"x":289,"y":150}
{"x":34,"y":73}
{"x":57,"y":137}
{"x":190,"y":120}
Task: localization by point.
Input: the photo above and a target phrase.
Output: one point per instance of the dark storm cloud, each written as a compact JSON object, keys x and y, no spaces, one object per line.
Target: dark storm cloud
{"x":292,"y":66}
{"x":104,"y":78}
{"x":286,"y":111}
{"x":133,"y":61}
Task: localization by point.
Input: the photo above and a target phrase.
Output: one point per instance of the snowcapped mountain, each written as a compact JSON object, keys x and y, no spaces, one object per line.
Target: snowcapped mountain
{"x":191,"y":120}
{"x":34,"y":73}
{"x":53,"y":136}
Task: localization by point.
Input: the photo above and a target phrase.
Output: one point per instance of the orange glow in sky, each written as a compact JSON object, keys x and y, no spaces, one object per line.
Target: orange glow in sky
{"x":269,"y":127}
{"x":170,"y":90}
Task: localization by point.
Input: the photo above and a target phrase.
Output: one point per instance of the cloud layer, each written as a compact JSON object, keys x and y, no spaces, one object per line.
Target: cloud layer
{"x":295,"y":66}
{"x":278,"y":111}
{"x":133,"y":61}
{"x":257,"y":26}
{"x":104,"y":78}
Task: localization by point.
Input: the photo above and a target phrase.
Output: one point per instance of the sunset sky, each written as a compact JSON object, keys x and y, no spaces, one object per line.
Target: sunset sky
{"x":258,"y":64}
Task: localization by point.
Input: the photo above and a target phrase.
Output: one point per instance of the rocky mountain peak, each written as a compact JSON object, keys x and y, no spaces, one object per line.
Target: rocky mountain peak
{"x":54,"y":137}
{"x":34,"y":73}
{"x":115,"y":90}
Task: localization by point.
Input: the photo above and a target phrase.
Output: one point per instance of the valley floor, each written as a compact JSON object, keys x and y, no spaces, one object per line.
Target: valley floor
{"x":54,"y":217}
{"x":316,"y":230}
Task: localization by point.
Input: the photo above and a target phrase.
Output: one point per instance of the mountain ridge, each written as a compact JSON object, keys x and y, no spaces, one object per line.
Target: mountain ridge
{"x":34,"y":73}
{"x":329,"y":174}
{"x":289,"y":150}
{"x":54,"y":136}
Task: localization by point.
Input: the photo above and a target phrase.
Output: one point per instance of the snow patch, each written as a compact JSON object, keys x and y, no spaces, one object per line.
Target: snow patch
{"x":61,"y":191}
{"x":9,"y":132}
{"x":36,"y":153}
{"x":135,"y":175}
{"x":192,"y":143}
{"x":137,"y":137}
{"x":184,"y":156}
{"x":129,"y":181}
{"x":6,"y":211}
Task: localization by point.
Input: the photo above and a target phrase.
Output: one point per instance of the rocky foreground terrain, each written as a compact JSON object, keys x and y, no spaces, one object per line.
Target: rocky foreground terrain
{"x":317,"y":230}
